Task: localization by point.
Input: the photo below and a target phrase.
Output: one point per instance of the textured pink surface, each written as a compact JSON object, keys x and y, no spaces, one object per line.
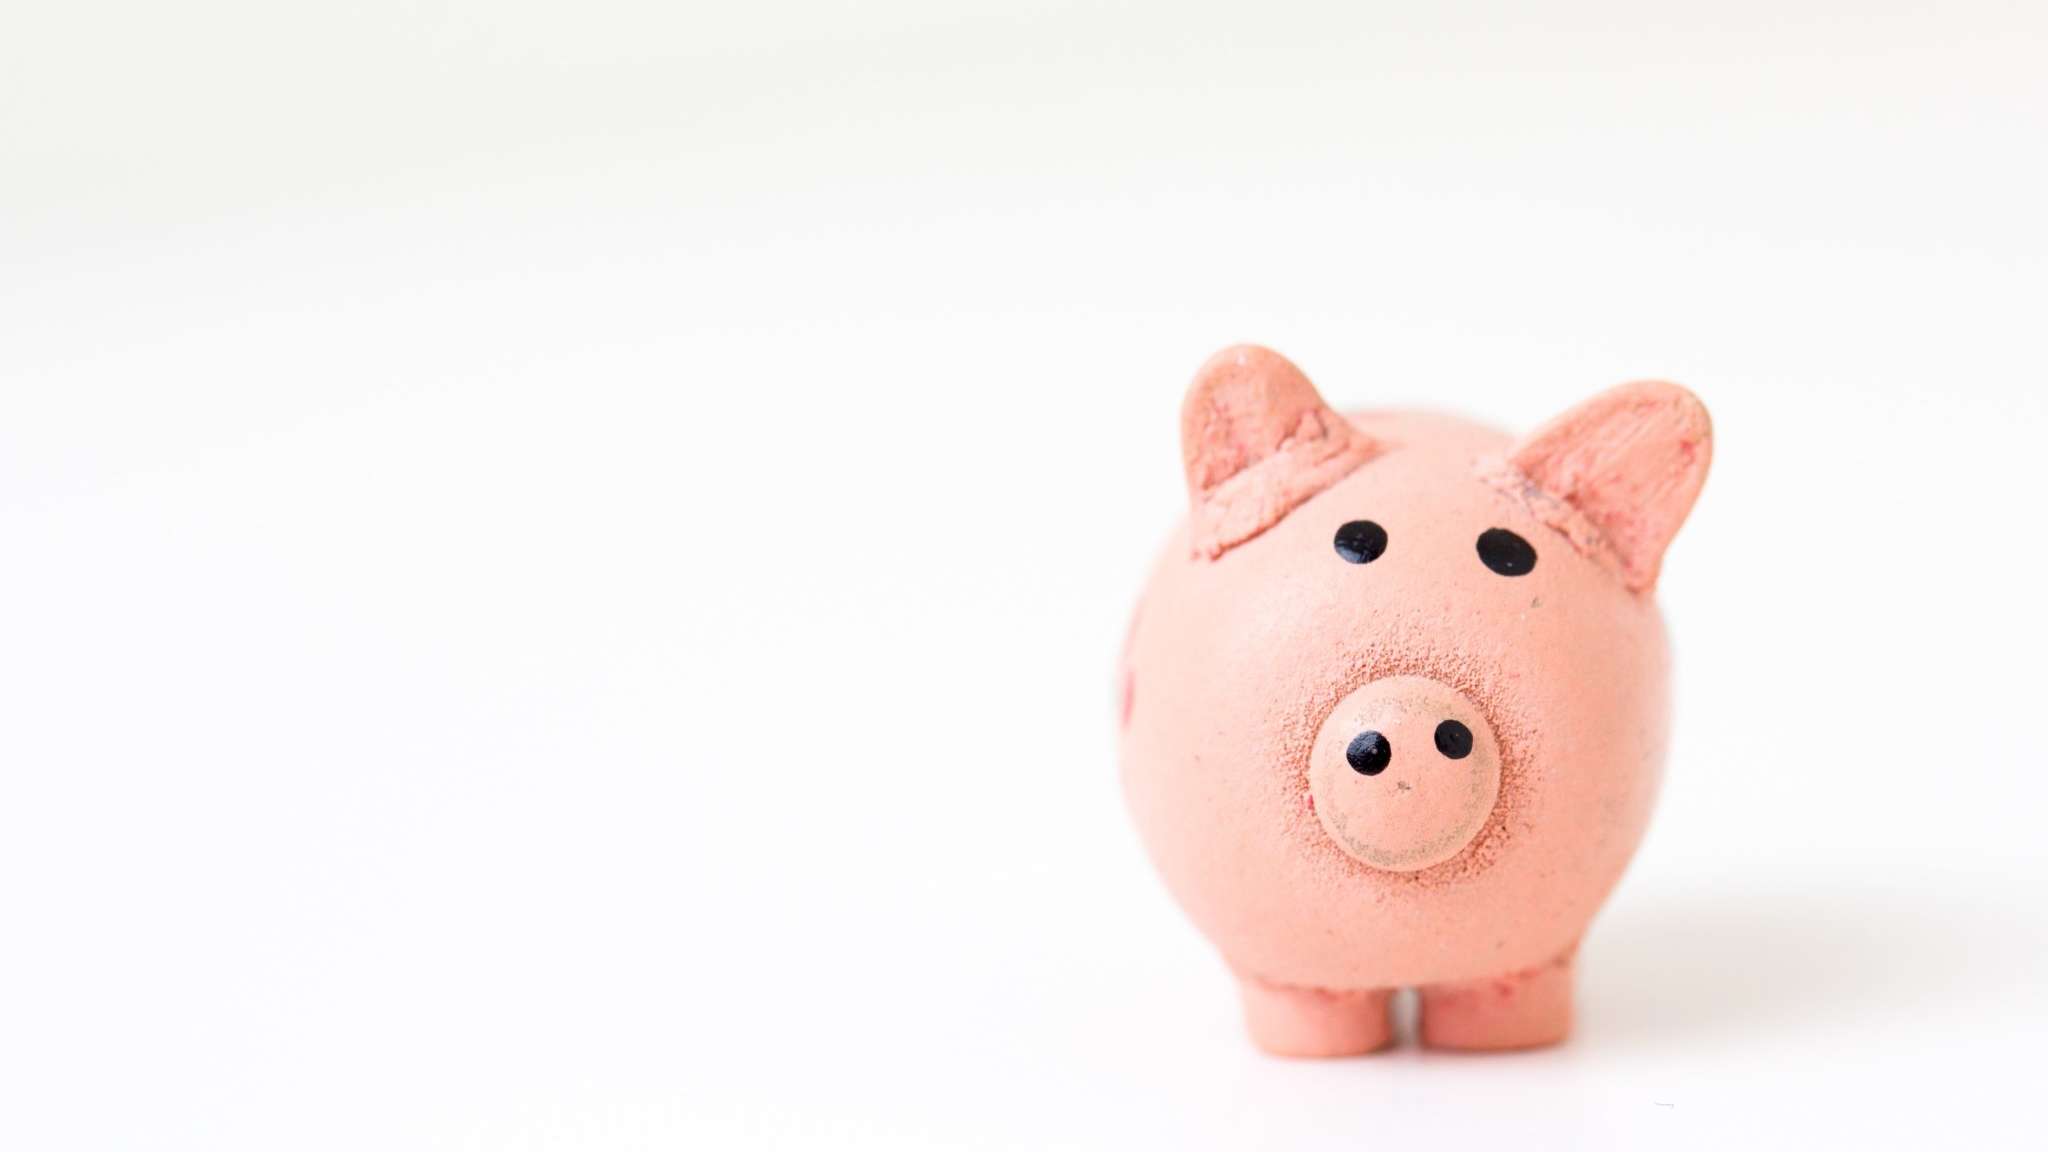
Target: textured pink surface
{"x":1257,"y":441}
{"x":1259,"y":653}
{"x":1631,"y":462}
{"x":1421,"y":810}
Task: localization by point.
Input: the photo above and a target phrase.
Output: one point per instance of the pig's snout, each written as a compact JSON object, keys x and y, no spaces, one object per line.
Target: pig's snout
{"x":1404,"y":772}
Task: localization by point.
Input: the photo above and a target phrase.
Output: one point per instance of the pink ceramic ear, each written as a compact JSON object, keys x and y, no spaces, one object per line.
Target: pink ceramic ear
{"x":1257,"y":441}
{"x":1631,"y":460}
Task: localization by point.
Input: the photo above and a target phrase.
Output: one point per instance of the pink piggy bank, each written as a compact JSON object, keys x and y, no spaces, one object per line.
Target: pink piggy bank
{"x":1393,"y":704}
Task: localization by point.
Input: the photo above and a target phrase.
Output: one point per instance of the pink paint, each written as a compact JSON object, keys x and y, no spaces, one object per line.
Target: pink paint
{"x":1404,"y":754}
{"x":1258,"y":441}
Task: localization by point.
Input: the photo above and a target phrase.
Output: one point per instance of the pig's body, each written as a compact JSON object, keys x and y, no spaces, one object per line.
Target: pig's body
{"x":1367,"y":767}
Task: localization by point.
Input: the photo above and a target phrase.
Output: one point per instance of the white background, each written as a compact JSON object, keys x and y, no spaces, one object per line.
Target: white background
{"x":560,"y":565}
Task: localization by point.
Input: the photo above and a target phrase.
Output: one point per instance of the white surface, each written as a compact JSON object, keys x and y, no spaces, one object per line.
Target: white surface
{"x":559,"y":570}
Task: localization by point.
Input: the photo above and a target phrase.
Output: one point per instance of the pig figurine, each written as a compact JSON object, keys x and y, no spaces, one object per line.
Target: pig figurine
{"x":1393,"y":703}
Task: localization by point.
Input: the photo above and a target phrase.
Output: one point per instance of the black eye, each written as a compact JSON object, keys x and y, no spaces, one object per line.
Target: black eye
{"x":1505,"y":552}
{"x":1454,"y":740}
{"x":1369,"y":753}
{"x":1361,"y":541}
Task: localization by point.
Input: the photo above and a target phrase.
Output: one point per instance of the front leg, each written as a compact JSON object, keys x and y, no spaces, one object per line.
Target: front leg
{"x":1289,"y":1021}
{"x":1526,"y":1009}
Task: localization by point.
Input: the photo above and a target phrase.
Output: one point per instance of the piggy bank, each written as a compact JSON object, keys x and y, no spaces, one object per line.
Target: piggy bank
{"x":1393,"y":703}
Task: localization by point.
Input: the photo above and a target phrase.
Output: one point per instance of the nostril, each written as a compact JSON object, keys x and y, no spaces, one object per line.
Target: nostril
{"x":1454,"y":740}
{"x":1369,"y":753}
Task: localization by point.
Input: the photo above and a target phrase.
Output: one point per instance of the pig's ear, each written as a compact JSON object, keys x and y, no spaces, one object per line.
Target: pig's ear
{"x":1257,"y":441}
{"x":1631,"y":461}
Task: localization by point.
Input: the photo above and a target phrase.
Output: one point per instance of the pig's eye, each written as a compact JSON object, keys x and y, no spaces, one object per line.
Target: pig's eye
{"x":1361,"y":541}
{"x":1505,"y":552}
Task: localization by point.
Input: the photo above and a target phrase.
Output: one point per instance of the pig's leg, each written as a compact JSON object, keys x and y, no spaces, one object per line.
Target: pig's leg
{"x":1290,"y":1021}
{"x":1526,"y":1009}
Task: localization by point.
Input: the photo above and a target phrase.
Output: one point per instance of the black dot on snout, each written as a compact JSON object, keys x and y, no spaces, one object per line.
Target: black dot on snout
{"x":1454,"y":740}
{"x":1369,"y":753}
{"x":1361,"y":541}
{"x":1505,"y":552}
